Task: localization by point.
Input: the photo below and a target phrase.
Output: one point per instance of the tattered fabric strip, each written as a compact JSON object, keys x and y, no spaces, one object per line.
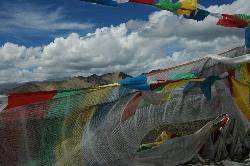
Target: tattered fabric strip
{"x":3,"y":102}
{"x":236,"y":60}
{"x":232,"y":21}
{"x":15,"y":100}
{"x":240,"y":92}
{"x":131,"y":107}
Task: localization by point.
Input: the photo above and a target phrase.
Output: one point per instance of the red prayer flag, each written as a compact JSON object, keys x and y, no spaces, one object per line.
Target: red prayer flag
{"x":232,"y":21}
{"x":131,"y":107}
{"x":19,"y":99}
{"x":149,"y":2}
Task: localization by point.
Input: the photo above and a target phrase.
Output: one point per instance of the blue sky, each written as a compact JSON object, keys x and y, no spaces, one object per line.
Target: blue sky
{"x":73,"y":11}
{"x":54,"y":39}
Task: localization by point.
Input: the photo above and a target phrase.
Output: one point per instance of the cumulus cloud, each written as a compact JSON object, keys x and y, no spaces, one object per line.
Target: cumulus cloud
{"x":133,"y":47}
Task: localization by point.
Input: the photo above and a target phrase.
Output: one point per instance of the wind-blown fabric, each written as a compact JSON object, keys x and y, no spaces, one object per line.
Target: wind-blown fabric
{"x":181,"y":7}
{"x":168,"y":5}
{"x":232,"y":21}
{"x":231,"y":61}
{"x":105,"y":2}
{"x":207,"y":85}
{"x":106,"y":125}
{"x":16,"y":100}
{"x":241,"y":95}
{"x":244,"y":17}
{"x":3,"y":102}
{"x":138,"y":83}
{"x":240,"y":81}
{"x":149,"y":2}
{"x":188,"y":8}
{"x":117,"y":2}
{"x":199,"y":15}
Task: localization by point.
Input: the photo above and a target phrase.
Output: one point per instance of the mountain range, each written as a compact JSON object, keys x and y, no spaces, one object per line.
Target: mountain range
{"x":67,"y":83}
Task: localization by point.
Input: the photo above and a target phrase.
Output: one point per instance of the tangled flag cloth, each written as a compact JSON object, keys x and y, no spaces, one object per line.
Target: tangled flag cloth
{"x":231,"y":61}
{"x":106,"y":125}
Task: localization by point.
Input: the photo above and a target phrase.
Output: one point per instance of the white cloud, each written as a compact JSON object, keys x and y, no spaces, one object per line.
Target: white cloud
{"x":133,"y":47}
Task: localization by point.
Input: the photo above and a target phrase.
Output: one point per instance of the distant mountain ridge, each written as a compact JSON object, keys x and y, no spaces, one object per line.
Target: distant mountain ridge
{"x":67,"y":83}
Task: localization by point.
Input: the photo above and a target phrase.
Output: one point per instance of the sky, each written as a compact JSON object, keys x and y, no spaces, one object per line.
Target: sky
{"x":50,"y":39}
{"x":35,"y":23}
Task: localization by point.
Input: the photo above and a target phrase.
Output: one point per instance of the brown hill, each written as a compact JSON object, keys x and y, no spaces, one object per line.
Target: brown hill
{"x":70,"y":83}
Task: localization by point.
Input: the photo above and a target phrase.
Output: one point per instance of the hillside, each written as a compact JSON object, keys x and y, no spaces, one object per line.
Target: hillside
{"x":68,"y":83}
